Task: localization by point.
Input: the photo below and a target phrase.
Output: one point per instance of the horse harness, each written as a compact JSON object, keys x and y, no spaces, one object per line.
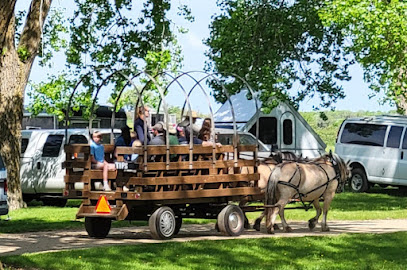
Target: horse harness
{"x":296,"y":187}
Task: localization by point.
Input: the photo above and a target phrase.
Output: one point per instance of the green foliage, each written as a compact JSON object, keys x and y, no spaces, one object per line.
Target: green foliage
{"x":53,"y":97}
{"x":23,"y":54}
{"x":377,"y":35}
{"x":347,"y":251}
{"x":104,"y":37}
{"x":274,"y":45}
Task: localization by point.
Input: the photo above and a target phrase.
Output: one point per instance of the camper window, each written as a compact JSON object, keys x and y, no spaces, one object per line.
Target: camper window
{"x":365,"y":134}
{"x":267,"y":130}
{"x":287,"y":132}
{"x":393,"y":140}
{"x":52,"y":146}
{"x":78,"y":139}
{"x":24,"y":144}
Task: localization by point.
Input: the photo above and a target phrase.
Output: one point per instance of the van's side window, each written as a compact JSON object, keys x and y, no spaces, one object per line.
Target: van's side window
{"x":393,"y":140}
{"x":24,"y":144}
{"x":365,"y":134}
{"x":287,"y":131}
{"x":404,"y":145}
{"x":78,"y":139}
{"x":52,"y":146}
{"x":267,"y":130}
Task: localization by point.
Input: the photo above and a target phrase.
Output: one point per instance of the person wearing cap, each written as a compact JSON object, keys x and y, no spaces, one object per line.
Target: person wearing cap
{"x":97,"y":150}
{"x":159,"y":134}
{"x":186,"y":124}
{"x":143,"y":113}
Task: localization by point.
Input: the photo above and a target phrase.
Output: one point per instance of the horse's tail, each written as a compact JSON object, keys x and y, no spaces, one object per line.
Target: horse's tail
{"x":271,"y":189}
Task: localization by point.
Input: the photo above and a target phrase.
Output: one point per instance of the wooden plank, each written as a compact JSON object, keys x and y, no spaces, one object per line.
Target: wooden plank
{"x":109,"y":148}
{"x":98,"y":174}
{"x":187,"y":194}
{"x":76,"y":178}
{"x":77,"y":164}
{"x":191,"y":179}
{"x":77,"y":148}
{"x":246,"y":148}
{"x":184,"y":165}
{"x":174,"y":149}
{"x":118,"y":213}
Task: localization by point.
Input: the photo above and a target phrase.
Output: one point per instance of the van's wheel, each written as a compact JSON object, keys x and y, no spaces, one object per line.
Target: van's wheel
{"x":97,"y":227}
{"x":231,"y":220}
{"x":178,"y":224}
{"x":358,"y":181}
{"x":162,"y":223}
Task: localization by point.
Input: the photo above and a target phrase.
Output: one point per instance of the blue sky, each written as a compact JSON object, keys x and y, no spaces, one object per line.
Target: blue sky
{"x":357,"y":92}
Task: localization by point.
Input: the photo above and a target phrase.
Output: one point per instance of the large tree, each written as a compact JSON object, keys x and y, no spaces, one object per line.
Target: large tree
{"x":16,"y":61}
{"x":277,"y":46}
{"x":377,"y":36}
{"x":103,"y":36}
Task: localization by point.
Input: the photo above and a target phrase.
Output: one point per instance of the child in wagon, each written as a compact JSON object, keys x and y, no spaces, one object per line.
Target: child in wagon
{"x":97,"y":150}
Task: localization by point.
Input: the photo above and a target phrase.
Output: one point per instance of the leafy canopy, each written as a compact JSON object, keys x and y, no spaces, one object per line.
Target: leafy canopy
{"x":377,"y":34}
{"x":110,"y":35}
{"x":277,"y":46}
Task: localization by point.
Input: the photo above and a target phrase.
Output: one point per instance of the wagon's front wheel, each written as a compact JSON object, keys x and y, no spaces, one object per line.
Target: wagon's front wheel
{"x":162,"y":223}
{"x":97,"y":227}
{"x":231,"y":220}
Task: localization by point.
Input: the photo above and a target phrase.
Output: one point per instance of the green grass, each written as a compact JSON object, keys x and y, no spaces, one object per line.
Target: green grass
{"x":357,"y":251}
{"x":378,"y":204}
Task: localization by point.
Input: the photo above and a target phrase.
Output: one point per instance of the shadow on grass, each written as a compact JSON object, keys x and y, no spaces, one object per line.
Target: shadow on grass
{"x":376,"y":199}
{"x":384,"y":251}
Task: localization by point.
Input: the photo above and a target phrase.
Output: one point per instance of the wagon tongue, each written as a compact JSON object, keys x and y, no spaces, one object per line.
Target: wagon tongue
{"x":103,"y":206}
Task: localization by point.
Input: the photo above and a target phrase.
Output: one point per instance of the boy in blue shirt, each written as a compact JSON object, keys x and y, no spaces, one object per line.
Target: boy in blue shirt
{"x":97,"y":150}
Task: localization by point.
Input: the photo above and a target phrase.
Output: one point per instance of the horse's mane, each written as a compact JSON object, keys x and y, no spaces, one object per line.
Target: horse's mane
{"x":280,"y":157}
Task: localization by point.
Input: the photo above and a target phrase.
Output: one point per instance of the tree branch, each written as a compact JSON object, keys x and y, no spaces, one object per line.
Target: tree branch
{"x":7,"y":24}
{"x":31,"y":35}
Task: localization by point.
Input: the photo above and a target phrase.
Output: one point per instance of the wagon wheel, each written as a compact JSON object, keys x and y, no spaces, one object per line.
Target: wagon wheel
{"x":231,"y":220}
{"x":162,"y":223}
{"x":178,"y":224}
{"x":97,"y":227}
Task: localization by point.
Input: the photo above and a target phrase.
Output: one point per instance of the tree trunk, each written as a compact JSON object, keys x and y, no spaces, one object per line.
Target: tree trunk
{"x":14,"y":74}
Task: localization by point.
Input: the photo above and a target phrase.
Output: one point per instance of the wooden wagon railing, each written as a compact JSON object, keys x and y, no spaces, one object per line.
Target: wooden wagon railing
{"x":158,"y":179}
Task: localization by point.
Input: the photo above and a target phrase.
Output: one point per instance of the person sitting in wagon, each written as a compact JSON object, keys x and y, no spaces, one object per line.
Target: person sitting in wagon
{"x":123,"y":140}
{"x":143,"y":112}
{"x":97,"y":150}
{"x":159,"y":134}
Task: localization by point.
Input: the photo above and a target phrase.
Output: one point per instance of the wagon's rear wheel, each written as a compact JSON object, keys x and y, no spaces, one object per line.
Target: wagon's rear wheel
{"x":163,"y":223}
{"x":231,"y":220}
{"x":97,"y":227}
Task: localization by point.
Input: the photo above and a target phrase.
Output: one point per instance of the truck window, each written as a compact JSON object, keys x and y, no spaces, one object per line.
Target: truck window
{"x":393,"y":140}
{"x":364,"y":134}
{"x":404,"y":145}
{"x":267,"y":130}
{"x":24,"y":144}
{"x":52,"y":146}
{"x":78,"y":139}
{"x":287,"y":132}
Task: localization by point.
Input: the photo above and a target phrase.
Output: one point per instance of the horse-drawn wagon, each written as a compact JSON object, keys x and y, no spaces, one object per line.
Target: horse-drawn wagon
{"x":168,"y":183}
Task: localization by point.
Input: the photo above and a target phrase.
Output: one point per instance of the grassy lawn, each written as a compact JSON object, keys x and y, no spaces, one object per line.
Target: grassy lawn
{"x":357,"y":251}
{"x":379,"y":204}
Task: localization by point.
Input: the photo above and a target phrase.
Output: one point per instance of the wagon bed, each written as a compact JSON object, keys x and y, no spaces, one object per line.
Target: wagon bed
{"x":198,"y":182}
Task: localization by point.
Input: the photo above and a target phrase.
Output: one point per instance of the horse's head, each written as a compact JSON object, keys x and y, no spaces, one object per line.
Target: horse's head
{"x":343,"y":170}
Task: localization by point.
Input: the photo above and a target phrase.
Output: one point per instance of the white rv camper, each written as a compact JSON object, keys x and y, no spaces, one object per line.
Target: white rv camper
{"x":283,"y":127}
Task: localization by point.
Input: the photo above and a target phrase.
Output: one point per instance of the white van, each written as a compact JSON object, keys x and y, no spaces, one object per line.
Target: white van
{"x":42,"y":155}
{"x":3,"y":189}
{"x":377,"y":150}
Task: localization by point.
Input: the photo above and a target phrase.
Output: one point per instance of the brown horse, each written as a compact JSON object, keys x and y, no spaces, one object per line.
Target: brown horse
{"x":308,"y":181}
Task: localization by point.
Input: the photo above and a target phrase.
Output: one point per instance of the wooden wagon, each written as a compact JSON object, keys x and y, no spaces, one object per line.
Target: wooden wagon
{"x":166,"y":184}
